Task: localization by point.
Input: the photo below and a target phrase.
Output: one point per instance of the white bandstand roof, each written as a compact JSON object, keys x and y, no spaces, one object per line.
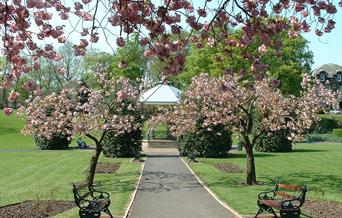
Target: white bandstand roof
{"x":162,"y":94}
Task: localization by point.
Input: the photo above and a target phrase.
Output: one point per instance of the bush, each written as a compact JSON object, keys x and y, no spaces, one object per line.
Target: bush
{"x":327,"y":124}
{"x":55,"y":143}
{"x":274,"y":142}
{"x":337,"y":133}
{"x":322,"y":138}
{"x":125,"y":145}
{"x":215,"y":143}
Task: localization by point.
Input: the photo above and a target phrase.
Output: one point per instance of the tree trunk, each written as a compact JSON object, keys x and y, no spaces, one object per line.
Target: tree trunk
{"x":251,"y":176}
{"x":93,"y":163}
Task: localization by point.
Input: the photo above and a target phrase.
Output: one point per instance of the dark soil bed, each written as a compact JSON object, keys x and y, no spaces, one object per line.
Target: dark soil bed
{"x":322,"y":209}
{"x":36,"y":209}
{"x":107,"y":167}
{"x":137,"y":161}
{"x":228,"y":168}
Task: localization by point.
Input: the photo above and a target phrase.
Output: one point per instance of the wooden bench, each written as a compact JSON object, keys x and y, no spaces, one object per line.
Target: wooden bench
{"x":286,"y":198}
{"x":91,"y":201}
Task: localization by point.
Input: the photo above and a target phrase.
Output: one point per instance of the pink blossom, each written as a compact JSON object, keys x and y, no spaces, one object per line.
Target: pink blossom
{"x":148,"y":53}
{"x":120,"y":41}
{"x":13,"y":96}
{"x":122,"y":65}
{"x":292,"y":34}
{"x":61,"y":70}
{"x":29,"y":86}
{"x":8,"y":111}
{"x":121,"y":95}
{"x":202,"y":12}
{"x":262,"y":49}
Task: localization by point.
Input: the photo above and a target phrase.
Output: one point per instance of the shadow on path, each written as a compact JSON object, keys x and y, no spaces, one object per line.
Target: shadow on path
{"x":168,"y":189}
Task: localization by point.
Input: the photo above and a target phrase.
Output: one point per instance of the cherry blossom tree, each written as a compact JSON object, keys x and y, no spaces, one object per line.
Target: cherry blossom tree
{"x":93,"y":113}
{"x":24,"y":24}
{"x":231,"y":101}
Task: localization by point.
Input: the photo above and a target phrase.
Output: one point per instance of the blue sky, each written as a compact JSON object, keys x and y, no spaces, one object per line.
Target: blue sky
{"x":327,"y":48}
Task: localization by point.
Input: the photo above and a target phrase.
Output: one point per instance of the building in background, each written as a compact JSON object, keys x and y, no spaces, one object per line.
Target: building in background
{"x":331,"y":76}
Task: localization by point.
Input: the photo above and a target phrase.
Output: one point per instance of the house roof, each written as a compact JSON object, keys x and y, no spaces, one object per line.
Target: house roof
{"x":330,"y":69}
{"x":162,"y":94}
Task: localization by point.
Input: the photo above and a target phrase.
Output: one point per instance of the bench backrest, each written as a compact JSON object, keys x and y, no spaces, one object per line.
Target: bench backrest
{"x":300,"y":190}
{"x":78,"y":196}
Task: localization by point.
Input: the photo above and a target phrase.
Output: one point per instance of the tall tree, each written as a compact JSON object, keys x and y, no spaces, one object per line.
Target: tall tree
{"x":68,"y":113}
{"x":230,"y":102}
{"x":287,"y":63}
{"x":129,"y":60}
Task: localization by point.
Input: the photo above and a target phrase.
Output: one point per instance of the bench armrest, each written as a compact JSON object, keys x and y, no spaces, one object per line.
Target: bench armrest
{"x":290,"y":203}
{"x":101,"y":193}
{"x":266,"y":195}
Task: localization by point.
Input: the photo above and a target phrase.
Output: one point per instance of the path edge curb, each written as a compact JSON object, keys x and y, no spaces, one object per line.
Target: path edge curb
{"x":135,"y":191}
{"x":211,"y":192}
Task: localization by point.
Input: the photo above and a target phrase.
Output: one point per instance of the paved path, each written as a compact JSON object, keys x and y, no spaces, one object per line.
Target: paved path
{"x":168,"y":189}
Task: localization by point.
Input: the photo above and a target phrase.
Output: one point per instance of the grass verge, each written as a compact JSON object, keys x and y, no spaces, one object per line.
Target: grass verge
{"x":48,"y":175}
{"x":317,"y":165}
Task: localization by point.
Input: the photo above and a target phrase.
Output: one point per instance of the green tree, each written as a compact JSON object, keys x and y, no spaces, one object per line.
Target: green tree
{"x":288,"y":68}
{"x":90,"y":64}
{"x":133,"y":55}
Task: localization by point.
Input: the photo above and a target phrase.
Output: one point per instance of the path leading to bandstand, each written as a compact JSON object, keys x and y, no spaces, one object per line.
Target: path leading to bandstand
{"x":169,"y":189}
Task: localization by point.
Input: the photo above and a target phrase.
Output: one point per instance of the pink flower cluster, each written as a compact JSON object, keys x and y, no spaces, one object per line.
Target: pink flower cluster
{"x":159,"y":26}
{"x":66,"y":114}
{"x":230,"y":102}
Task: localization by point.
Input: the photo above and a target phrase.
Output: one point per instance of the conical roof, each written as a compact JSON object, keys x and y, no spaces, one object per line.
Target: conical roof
{"x":162,"y":94}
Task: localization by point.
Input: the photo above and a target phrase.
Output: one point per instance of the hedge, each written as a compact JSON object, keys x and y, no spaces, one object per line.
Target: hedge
{"x":204,"y":143}
{"x":128,"y":144}
{"x":55,"y":143}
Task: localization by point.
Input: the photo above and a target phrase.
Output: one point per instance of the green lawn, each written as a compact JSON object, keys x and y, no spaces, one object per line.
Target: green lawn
{"x":317,"y":165}
{"x":12,"y":139}
{"x":10,"y":136}
{"x":48,"y":175}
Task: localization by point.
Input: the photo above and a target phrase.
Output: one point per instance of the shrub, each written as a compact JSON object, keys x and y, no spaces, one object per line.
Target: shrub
{"x":55,"y":143}
{"x":274,"y":142}
{"x":337,"y":133}
{"x":327,"y":124}
{"x":204,"y":143}
{"x":322,"y":138}
{"x":125,"y":145}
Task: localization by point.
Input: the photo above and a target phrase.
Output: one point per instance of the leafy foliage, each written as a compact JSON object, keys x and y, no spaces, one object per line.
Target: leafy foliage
{"x":131,"y":54}
{"x":274,"y":142}
{"x":57,"y":141}
{"x":295,"y":59}
{"x":322,"y":138}
{"x":124,"y":145}
{"x":271,"y":141}
{"x":326,"y":125}
{"x":204,"y":143}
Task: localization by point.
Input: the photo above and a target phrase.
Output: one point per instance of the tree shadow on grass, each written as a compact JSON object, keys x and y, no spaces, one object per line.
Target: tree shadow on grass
{"x":243,"y":155}
{"x":8,"y":130}
{"x":315,"y":181}
{"x":307,"y":150}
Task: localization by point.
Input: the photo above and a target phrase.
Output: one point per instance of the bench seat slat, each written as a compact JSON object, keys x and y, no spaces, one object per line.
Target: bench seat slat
{"x":285,"y":195}
{"x":272,"y":203}
{"x":290,"y":187}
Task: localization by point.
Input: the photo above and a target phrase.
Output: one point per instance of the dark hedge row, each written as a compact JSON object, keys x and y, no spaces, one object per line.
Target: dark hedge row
{"x":204,"y":143}
{"x":125,"y":145}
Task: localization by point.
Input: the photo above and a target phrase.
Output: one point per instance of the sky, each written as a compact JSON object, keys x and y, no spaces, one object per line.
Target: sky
{"x":327,"y":48}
